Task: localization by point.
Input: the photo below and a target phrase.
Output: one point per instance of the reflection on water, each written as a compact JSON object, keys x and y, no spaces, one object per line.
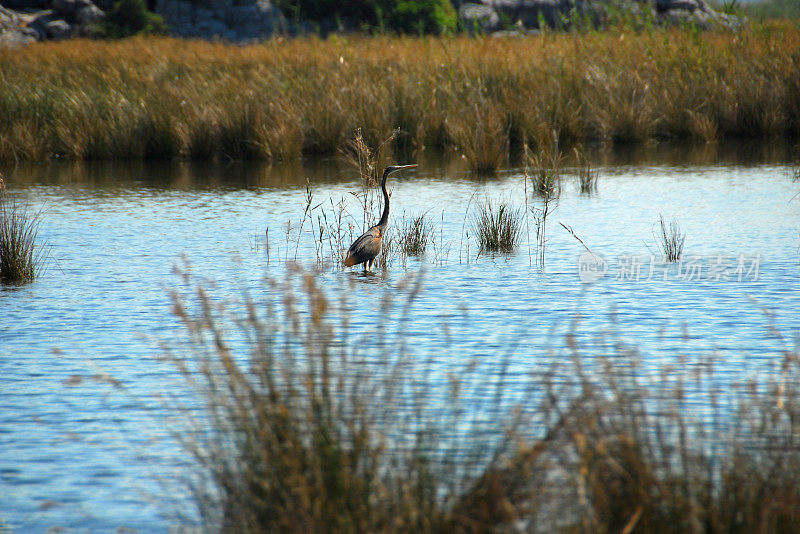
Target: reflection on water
{"x":113,"y":175}
{"x":84,"y":440}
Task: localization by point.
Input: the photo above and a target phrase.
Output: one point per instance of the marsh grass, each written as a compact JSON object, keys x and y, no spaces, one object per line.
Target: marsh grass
{"x":497,"y":227}
{"x":481,"y":135}
{"x":543,"y":167}
{"x":416,"y":235}
{"x":587,"y":177}
{"x":670,"y":240}
{"x":307,"y":421}
{"x":166,"y":98}
{"x":541,"y":212}
{"x":642,"y":459}
{"x":312,"y":425}
{"x":21,"y":258}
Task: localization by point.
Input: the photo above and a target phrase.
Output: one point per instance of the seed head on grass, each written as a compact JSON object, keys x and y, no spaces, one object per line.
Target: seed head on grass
{"x":20,"y":259}
{"x":670,"y":240}
{"x":498,"y":228}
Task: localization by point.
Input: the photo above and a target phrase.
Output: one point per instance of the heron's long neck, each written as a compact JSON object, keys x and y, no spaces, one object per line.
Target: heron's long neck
{"x":385,"y":216}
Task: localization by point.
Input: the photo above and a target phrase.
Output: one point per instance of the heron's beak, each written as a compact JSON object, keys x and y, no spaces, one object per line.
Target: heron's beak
{"x":401,"y":167}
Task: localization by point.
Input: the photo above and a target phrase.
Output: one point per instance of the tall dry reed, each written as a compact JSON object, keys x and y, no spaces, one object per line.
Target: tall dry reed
{"x":310,"y":423}
{"x":306,"y":420}
{"x":167,"y":98}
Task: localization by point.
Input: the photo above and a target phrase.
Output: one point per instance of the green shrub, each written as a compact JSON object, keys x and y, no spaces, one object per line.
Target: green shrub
{"x":771,"y":9}
{"x":130,"y":17}
{"x":423,"y":16}
{"x":404,"y":16}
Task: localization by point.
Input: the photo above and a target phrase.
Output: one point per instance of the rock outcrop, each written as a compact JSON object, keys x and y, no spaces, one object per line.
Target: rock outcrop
{"x":14,"y":29}
{"x":24,"y":21}
{"x":232,"y":20}
{"x":492,"y":16}
{"x":38,"y":20}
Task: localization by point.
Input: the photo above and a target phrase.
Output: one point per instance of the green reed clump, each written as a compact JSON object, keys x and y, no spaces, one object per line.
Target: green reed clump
{"x":21,"y":259}
{"x":497,"y":228}
{"x":416,"y":234}
{"x":670,"y":240}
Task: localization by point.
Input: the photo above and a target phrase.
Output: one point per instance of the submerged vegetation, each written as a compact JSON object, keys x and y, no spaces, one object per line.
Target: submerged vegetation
{"x":21,"y":259}
{"x":157,"y":98}
{"x":313,"y":424}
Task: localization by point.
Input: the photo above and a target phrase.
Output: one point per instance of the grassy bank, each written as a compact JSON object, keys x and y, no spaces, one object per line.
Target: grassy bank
{"x":165,"y":98}
{"x":316,"y":422}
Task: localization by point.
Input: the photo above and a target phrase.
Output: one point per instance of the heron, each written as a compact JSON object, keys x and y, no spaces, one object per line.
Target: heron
{"x":368,"y":246}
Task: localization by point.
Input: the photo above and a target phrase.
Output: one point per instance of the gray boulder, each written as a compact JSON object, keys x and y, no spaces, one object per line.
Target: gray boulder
{"x":491,"y":15}
{"x":63,"y":19}
{"x":89,"y":15}
{"x":69,"y":8}
{"x":58,"y":29}
{"x":233,"y":20}
{"x":479,"y":18}
{"x":14,"y":30}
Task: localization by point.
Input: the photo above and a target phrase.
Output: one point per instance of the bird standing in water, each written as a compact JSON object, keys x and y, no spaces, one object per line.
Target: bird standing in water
{"x":368,"y":246}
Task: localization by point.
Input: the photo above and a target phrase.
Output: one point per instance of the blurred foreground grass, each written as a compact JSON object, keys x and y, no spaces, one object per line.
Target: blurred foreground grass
{"x":320,"y":421}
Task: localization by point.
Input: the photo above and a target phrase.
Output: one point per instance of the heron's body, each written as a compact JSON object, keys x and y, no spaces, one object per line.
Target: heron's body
{"x":367,"y":247}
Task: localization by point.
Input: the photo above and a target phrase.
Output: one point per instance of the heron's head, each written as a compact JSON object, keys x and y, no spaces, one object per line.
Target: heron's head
{"x":394,"y":168}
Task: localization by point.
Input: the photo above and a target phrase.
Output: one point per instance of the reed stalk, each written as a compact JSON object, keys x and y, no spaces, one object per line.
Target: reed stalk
{"x":670,"y":240}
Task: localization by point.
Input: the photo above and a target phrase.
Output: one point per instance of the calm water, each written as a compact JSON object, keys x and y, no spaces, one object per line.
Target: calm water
{"x":84,"y":437}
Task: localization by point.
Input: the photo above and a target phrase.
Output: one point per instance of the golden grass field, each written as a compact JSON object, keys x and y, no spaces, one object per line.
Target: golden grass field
{"x":154,"y":97}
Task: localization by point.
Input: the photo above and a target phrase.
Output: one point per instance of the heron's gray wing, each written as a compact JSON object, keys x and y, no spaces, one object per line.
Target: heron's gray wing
{"x":365,"y":247}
